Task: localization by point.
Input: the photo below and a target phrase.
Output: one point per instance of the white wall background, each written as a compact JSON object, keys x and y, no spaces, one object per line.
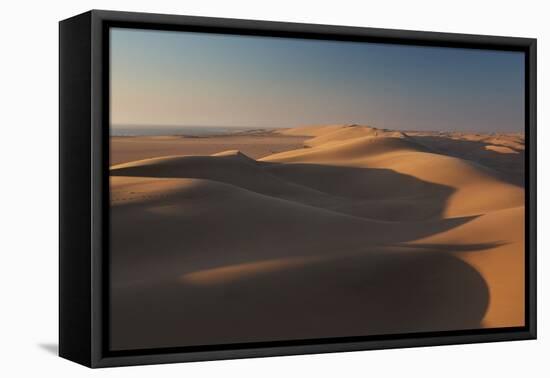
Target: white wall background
{"x":29,"y":174}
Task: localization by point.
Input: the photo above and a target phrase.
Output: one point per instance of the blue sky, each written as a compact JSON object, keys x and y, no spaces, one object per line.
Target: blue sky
{"x":165,"y":78}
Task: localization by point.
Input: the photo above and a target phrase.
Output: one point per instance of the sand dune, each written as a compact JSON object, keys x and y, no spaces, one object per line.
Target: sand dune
{"x":344,"y":133}
{"x":501,"y":152}
{"x":310,"y":131}
{"x":347,"y":150}
{"x":236,"y":214}
{"x":321,"y":186}
{"x":501,"y":266}
{"x":362,"y":231}
{"x":125,"y":149}
{"x":501,"y":149}
{"x":477,"y":189}
{"x":231,"y":167}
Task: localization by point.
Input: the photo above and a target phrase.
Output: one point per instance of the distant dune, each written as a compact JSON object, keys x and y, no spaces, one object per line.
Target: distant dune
{"x":255,"y":144}
{"x":354,"y":231}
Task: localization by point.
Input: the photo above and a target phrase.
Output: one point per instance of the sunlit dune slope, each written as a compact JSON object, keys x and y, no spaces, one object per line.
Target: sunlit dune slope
{"x":310,"y":131}
{"x":501,"y":266}
{"x":477,"y":189}
{"x":350,"y":132}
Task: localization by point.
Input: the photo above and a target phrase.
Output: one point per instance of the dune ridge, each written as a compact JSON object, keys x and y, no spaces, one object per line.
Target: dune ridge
{"x":381,"y":224}
{"x":403,"y":155}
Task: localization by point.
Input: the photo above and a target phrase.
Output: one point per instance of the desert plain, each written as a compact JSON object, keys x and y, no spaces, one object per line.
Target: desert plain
{"x":314,"y":232}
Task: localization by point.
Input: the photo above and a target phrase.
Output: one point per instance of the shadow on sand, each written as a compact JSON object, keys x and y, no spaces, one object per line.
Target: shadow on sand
{"x":370,"y":293}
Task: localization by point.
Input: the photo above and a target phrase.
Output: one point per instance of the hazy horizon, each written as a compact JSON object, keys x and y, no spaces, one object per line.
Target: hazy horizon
{"x":195,"y":130}
{"x":181,"y":80}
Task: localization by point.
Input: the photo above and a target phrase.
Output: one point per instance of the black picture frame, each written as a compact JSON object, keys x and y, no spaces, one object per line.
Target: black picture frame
{"x":84,"y":190}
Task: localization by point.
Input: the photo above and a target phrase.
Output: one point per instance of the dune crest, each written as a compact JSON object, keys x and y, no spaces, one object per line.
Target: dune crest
{"x":477,"y":189}
{"x":232,"y":153}
{"x":230,"y":273}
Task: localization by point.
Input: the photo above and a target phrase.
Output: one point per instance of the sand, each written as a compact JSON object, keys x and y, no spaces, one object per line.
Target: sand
{"x":254,"y":144}
{"x":314,"y":232}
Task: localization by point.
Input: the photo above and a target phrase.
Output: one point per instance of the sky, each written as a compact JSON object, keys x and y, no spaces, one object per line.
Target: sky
{"x":172,"y":78}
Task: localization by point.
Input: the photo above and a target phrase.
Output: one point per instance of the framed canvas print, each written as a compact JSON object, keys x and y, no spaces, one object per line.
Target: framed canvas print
{"x":233,"y":188}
